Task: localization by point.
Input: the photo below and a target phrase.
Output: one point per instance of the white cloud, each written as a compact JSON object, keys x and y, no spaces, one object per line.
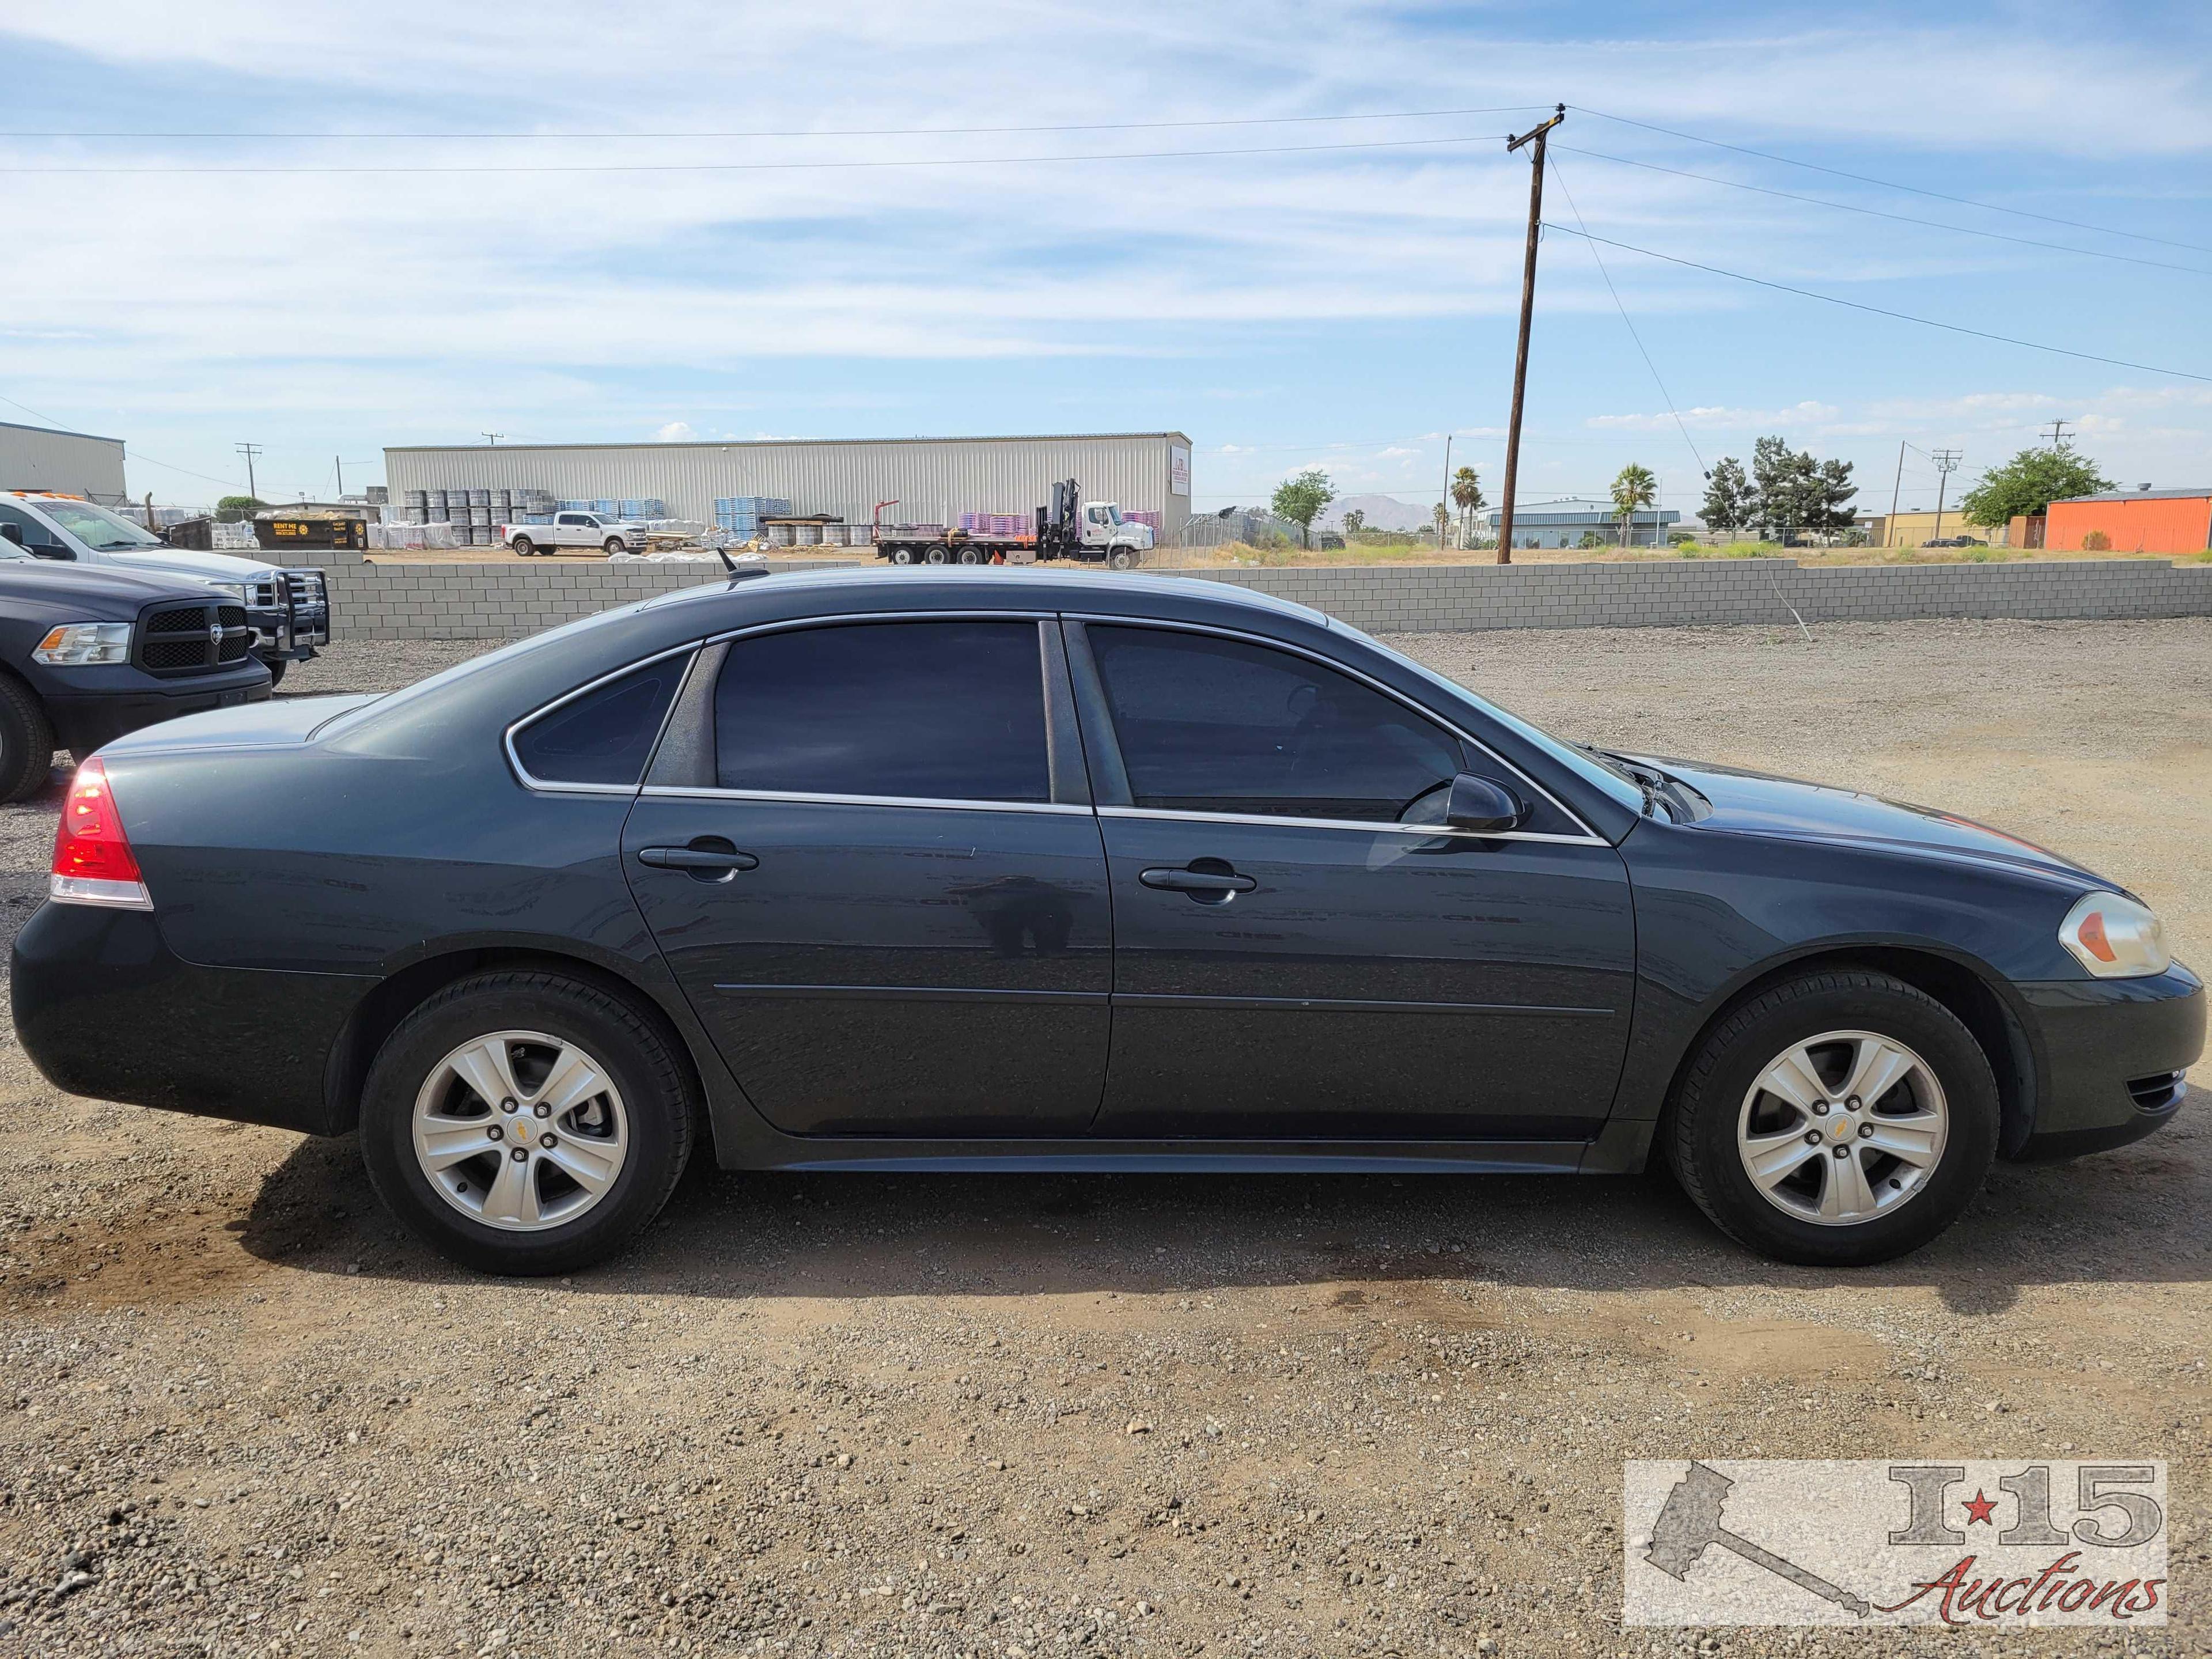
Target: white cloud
{"x":676,"y":432}
{"x":1713,"y":417}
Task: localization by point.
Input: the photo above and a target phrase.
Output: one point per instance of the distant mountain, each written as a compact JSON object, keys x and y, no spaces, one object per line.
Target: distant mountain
{"x":1383,"y":513}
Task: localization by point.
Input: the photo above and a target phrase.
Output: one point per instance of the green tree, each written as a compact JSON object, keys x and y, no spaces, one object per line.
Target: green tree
{"x":2029,"y":482}
{"x":1300,"y":498}
{"x":1466,"y":495}
{"x":1442,"y":513}
{"x":1795,"y":493}
{"x":1632,"y":488}
{"x":1354,"y":522}
{"x":1729,"y":502}
{"x":236,"y":509}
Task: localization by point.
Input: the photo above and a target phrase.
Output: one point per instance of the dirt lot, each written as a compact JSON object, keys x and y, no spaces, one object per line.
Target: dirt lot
{"x":240,"y":1414}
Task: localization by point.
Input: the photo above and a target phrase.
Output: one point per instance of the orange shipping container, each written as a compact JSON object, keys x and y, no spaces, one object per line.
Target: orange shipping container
{"x":2173,"y":521}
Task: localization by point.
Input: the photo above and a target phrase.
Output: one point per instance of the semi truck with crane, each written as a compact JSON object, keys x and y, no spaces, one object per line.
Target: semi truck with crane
{"x":1068,"y":528}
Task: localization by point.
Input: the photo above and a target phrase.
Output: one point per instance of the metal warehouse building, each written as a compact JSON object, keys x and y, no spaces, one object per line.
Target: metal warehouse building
{"x":931,"y":480}
{"x":73,"y":463}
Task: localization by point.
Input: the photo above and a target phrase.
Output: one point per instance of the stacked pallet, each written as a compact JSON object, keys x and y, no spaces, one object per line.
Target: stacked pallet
{"x":741,"y":515}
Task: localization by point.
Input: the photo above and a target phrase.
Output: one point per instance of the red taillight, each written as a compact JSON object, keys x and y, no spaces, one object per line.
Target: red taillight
{"x":93,"y":861}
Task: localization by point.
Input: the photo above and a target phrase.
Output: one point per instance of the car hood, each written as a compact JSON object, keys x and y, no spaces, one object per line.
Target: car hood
{"x":185,"y":565}
{"x":251,"y":726}
{"x":1760,"y":804}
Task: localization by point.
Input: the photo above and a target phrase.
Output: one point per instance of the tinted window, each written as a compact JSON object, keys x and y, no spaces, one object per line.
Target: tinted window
{"x":943,"y":710}
{"x":605,"y":736}
{"x":26,"y":526}
{"x":1209,"y":725}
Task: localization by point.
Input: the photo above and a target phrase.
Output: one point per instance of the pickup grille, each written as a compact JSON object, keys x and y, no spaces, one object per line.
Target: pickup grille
{"x":179,"y":639}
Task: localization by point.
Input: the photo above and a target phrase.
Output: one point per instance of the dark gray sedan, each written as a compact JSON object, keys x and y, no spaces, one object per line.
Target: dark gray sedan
{"x":996,"y":870}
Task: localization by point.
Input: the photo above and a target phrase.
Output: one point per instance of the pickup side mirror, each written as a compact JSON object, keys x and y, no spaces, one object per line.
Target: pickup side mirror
{"x":12,"y":532}
{"x":48,"y":550}
{"x":1484,"y":807}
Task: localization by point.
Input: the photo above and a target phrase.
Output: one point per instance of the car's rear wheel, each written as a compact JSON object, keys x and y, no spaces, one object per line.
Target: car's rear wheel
{"x":525,"y":1122}
{"x":26,"y":741}
{"x":1838,"y":1119}
{"x":901,"y":555}
{"x":522,"y":546}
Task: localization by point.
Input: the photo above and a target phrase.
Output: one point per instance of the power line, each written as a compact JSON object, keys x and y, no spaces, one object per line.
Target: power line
{"x":1882,"y":311}
{"x":1626,"y":319}
{"x":1877,"y":213}
{"x":140,"y":455}
{"x":1891,"y":184}
{"x":789,"y":167}
{"x":806,"y":133}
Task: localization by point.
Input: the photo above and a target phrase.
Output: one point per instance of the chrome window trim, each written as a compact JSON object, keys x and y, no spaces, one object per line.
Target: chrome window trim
{"x":545,"y":786}
{"x":1396,"y":696}
{"x":802,"y":798}
{"x":1427,"y":831}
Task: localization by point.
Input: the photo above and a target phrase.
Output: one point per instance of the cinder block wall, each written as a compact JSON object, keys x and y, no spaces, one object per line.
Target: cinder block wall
{"x":496,"y":601}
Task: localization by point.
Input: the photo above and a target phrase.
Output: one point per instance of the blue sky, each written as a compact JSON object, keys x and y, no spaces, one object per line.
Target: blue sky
{"x":1344,"y":307}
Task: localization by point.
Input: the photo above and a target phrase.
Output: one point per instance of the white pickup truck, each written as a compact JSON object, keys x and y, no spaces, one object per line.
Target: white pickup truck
{"x":573,"y":530}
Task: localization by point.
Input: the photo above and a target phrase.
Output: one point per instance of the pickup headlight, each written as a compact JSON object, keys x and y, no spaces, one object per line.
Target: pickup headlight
{"x":2115,"y":938}
{"x":236,"y":590}
{"x":80,"y":644}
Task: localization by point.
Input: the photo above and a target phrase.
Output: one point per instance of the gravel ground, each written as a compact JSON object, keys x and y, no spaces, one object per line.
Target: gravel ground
{"x":241,"y":1413}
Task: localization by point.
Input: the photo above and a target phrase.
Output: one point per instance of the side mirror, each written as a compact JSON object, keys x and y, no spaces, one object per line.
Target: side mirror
{"x":12,"y":532}
{"x":1484,"y":807}
{"x":49,"y":550}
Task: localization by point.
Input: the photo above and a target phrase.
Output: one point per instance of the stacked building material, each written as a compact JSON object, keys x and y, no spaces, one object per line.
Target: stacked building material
{"x":997,"y":524}
{"x":741,"y":515}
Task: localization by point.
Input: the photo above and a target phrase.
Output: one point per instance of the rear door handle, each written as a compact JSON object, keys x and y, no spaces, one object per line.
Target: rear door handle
{"x":1206,"y":880}
{"x":701,"y":858}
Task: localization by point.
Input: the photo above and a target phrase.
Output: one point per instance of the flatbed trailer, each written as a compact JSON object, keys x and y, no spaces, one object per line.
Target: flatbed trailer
{"x":1070,"y":528}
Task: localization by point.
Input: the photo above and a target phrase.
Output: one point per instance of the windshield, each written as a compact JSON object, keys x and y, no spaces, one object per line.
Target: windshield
{"x":96,"y":527}
{"x":1580,"y":761}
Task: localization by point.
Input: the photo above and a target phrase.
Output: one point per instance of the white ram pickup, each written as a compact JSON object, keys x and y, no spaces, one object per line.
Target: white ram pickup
{"x":574,"y":530}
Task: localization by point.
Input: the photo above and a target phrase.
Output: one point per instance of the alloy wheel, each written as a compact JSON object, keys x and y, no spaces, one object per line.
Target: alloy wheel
{"x":1842,"y":1128}
{"x":521,"y":1130}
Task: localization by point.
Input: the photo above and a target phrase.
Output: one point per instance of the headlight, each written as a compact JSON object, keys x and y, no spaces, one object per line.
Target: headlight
{"x":236,"y":590}
{"x":2115,"y":938}
{"x":79,"y":644}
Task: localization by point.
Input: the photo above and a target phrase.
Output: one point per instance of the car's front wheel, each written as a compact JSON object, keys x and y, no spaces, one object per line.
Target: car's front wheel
{"x":26,"y":741}
{"x":1836,"y":1120}
{"x":525,"y":1122}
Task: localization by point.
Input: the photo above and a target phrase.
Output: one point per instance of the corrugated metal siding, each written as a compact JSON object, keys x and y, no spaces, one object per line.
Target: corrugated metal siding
{"x":934,"y":480}
{"x":75,"y":462}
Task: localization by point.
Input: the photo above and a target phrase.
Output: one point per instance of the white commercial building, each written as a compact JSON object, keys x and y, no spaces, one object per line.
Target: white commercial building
{"x":921,"y":480}
{"x":71,"y":463}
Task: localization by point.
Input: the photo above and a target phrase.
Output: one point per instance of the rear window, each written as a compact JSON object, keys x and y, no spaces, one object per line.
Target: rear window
{"x":949,"y":710}
{"x":605,"y":736}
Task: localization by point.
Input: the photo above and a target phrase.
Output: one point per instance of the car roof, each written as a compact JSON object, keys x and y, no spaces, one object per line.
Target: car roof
{"x":1069,"y":590}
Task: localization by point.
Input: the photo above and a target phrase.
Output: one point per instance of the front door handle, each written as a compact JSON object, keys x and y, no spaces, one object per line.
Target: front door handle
{"x":708,"y":857}
{"x":1209,"y":881}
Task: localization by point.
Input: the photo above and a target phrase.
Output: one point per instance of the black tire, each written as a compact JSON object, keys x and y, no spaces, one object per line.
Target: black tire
{"x":937,"y":553}
{"x":522,"y":546}
{"x":26,"y":741}
{"x":1699,"y":1140}
{"x":275,"y":665}
{"x":612,"y":545}
{"x":1122,"y":559}
{"x":655,"y":1094}
{"x":900,"y":555}
{"x":971,"y":556}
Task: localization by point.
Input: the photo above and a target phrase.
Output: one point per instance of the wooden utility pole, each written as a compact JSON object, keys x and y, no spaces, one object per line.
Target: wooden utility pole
{"x":1447,"y":495}
{"x":1535,"y":139}
{"x":1889,"y":530}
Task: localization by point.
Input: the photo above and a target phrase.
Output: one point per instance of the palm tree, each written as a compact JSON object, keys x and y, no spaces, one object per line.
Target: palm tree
{"x":1466,"y":495}
{"x":1633,"y":488}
